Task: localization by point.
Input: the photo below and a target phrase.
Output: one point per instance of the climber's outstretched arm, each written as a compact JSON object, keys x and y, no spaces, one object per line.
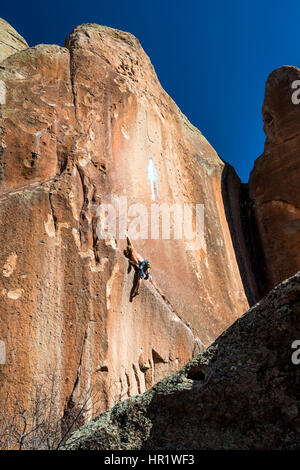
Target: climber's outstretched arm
{"x":132,"y":255}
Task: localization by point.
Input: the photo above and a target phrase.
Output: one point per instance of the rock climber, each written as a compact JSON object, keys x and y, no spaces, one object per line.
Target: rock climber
{"x":142,"y":268}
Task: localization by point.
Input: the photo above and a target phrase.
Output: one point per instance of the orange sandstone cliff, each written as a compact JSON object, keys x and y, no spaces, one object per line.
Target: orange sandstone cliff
{"x":275,"y":180}
{"x":80,"y":125}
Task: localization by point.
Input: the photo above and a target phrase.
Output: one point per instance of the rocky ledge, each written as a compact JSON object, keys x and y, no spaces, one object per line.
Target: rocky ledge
{"x":241,"y":393}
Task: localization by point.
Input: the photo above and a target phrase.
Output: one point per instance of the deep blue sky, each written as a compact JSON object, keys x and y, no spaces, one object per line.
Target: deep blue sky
{"x":212,"y":56}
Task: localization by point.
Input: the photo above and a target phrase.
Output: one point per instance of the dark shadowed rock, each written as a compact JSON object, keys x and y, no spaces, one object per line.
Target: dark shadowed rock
{"x":240,"y":393}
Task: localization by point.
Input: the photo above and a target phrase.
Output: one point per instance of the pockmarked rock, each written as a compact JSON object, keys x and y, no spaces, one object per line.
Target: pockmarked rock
{"x":241,"y":393}
{"x":89,"y":124}
{"x":84,"y":126}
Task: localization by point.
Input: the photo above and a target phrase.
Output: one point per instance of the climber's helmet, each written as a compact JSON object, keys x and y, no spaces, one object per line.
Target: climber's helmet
{"x":148,"y":264}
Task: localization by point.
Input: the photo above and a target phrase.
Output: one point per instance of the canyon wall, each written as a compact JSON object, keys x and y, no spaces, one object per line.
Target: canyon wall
{"x":274,"y":180}
{"x":89,"y":124}
{"x":81,"y":126}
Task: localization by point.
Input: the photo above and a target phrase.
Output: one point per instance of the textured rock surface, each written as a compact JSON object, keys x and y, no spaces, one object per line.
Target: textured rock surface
{"x":240,"y":393}
{"x":244,"y":233}
{"x":78,"y":128}
{"x":10,"y":41}
{"x":274,"y":181}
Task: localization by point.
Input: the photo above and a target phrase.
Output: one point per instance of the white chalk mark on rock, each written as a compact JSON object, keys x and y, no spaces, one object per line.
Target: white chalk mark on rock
{"x":110,"y":284}
{"x":2,"y":92}
{"x":49,"y":226}
{"x":76,"y":236}
{"x":10,"y":265}
{"x":2,"y":353}
{"x":124,"y":132}
{"x":14,"y":294}
{"x":152,"y":177}
{"x":37,"y":138}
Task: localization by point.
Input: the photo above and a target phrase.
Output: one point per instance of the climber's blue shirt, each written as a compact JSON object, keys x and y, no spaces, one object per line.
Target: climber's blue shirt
{"x":143,"y":269}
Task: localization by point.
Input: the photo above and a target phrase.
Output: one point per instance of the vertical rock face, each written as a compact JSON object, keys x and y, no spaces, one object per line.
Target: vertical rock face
{"x":274,"y":181}
{"x":241,"y":393}
{"x":10,"y":41}
{"x":88,"y":124}
{"x":127,"y":122}
{"x":242,"y":224}
{"x":84,"y":125}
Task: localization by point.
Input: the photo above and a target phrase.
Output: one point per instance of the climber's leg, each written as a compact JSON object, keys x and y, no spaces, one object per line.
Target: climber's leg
{"x":136,"y":259}
{"x":136,"y":285}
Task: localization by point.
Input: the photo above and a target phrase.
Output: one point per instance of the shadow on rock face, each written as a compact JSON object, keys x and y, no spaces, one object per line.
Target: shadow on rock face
{"x":244,"y":235}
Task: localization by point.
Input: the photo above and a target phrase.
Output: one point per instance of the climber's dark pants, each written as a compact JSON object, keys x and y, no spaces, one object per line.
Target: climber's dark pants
{"x":136,"y":283}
